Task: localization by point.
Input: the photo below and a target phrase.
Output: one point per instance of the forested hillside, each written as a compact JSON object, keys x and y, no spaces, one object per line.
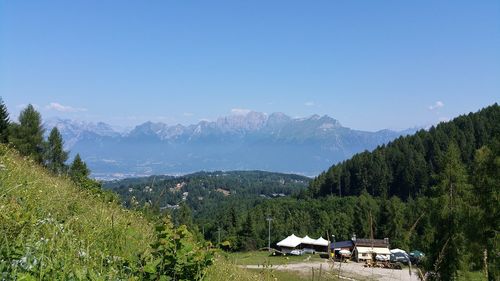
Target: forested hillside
{"x":205,"y":192}
{"x":405,"y":167}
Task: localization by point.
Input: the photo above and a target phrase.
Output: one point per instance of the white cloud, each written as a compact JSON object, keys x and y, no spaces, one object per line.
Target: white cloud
{"x":309,"y":103}
{"x":187,"y":114}
{"x":63,"y":108}
{"x":240,"y":111}
{"x":436,"y":105}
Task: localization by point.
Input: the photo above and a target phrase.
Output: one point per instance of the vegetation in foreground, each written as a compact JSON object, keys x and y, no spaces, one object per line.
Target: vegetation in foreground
{"x":53,"y":229}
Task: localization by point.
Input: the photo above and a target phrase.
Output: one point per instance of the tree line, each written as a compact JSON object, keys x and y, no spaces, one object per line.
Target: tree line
{"x":405,"y":166}
{"x":27,"y":137}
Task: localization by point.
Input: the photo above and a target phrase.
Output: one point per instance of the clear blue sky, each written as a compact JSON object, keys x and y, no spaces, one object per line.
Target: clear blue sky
{"x":370,"y":64}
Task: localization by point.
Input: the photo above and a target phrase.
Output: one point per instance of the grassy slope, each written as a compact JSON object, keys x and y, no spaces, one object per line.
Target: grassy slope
{"x":50,"y":228}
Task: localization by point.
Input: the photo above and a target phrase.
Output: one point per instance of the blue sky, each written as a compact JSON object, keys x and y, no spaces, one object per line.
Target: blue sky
{"x":370,"y":64}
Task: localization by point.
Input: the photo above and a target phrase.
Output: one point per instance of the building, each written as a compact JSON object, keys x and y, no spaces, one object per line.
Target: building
{"x":367,"y":249}
{"x":342,"y":249}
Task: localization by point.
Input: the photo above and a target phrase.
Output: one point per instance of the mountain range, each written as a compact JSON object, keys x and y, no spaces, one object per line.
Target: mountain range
{"x":271,"y":142}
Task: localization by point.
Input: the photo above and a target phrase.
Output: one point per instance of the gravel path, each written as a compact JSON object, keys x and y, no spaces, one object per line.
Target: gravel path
{"x":349,"y":271}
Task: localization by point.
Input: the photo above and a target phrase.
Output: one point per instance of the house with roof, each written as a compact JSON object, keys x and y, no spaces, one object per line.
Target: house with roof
{"x":342,"y":249}
{"x":367,"y":249}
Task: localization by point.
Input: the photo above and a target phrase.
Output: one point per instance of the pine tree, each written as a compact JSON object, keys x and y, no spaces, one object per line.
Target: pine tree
{"x":247,"y":235}
{"x":452,"y":190}
{"x":78,"y":170}
{"x":55,"y":156}
{"x":27,"y":136}
{"x":4,"y":123}
{"x":487,"y":188}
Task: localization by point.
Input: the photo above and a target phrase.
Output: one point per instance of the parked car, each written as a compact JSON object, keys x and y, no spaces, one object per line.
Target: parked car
{"x":416,"y":256}
{"x":297,"y":252}
{"x":400,"y":257}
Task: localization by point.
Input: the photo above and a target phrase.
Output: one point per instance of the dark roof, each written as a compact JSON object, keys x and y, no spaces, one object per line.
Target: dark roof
{"x":341,"y":244}
{"x":371,"y":242}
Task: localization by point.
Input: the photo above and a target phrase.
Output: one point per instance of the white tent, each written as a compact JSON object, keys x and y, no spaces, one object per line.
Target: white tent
{"x":308,"y":241}
{"x":321,"y":242}
{"x":291,"y":241}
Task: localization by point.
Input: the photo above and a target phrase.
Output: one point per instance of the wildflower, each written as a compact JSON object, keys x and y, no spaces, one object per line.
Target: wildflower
{"x":82,"y":254}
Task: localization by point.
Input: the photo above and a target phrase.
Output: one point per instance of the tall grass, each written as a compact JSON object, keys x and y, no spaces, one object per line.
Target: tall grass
{"x":51,"y":229}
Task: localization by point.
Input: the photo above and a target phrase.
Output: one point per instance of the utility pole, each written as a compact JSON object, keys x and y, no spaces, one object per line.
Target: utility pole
{"x":269,"y":219}
{"x":333,"y":239}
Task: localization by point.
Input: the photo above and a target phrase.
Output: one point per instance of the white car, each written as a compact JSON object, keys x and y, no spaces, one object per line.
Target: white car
{"x":297,"y":252}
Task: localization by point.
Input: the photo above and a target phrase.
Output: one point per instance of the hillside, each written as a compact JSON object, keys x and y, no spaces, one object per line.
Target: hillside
{"x":203,"y":190}
{"x":54,"y":230}
{"x":406,"y":166}
{"x":251,"y":141}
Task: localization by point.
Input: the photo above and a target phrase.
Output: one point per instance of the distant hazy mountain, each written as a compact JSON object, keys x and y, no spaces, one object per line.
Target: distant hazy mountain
{"x":274,"y":142}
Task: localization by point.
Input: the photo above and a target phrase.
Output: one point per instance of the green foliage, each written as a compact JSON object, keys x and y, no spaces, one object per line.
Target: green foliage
{"x":53,"y":230}
{"x":55,"y":156}
{"x":452,"y":194}
{"x":176,"y":255}
{"x":487,"y":188}
{"x":78,"y":169}
{"x":403,"y":167}
{"x":79,"y":174}
{"x":27,"y":135}
{"x":4,"y":123}
{"x":247,"y":235}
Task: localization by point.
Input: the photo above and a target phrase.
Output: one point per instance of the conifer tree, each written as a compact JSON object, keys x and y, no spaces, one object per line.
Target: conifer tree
{"x":4,"y":123}
{"x":247,"y":235}
{"x":487,"y":189}
{"x":78,"y":170}
{"x":452,"y":191}
{"x":55,"y":156}
{"x":27,"y":136}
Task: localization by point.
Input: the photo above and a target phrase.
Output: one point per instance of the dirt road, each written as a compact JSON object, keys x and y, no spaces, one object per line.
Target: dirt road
{"x":348,"y":271}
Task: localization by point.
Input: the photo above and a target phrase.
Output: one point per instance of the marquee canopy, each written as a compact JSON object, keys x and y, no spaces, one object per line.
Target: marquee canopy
{"x":291,"y":241}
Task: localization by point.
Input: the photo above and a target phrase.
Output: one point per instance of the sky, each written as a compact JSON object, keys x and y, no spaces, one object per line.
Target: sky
{"x":370,"y":64}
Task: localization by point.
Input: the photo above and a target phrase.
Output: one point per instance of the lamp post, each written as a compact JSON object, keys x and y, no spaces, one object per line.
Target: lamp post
{"x":333,"y":239}
{"x":269,"y":219}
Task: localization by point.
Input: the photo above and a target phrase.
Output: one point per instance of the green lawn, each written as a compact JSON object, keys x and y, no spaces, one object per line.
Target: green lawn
{"x":471,"y":276}
{"x":263,"y":258}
